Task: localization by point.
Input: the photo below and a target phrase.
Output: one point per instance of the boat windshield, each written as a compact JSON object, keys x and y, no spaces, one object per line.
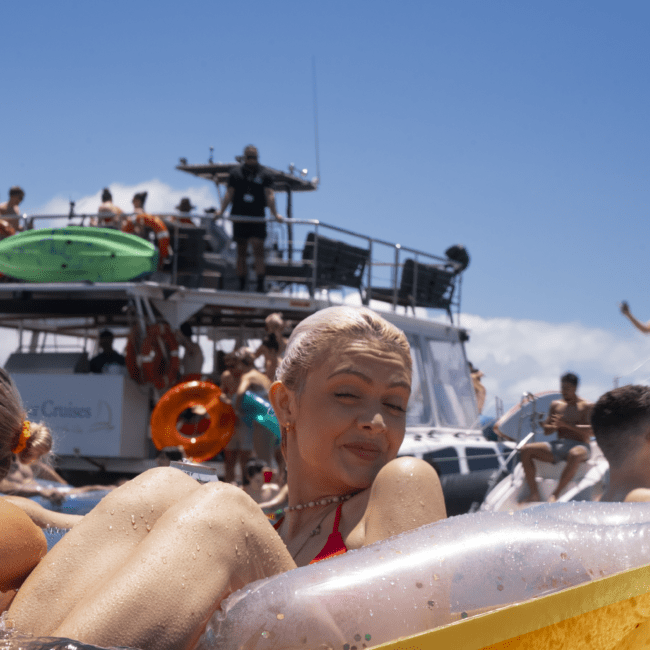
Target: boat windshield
{"x":441,"y":390}
{"x":452,"y":388}
{"x":419,"y":410}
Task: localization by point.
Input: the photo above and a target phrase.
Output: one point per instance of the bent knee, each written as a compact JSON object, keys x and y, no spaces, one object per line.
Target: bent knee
{"x":159,"y":487}
{"x":577,"y":454}
{"x":226,"y":496}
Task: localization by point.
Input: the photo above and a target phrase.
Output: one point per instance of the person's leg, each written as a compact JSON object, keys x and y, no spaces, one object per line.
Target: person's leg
{"x":575,"y":456}
{"x":258,"y":254}
{"x":213,"y":542}
{"x":244,"y":456}
{"x":242,"y":250}
{"x":93,"y":550}
{"x":535,"y":450}
{"x":229,"y":461}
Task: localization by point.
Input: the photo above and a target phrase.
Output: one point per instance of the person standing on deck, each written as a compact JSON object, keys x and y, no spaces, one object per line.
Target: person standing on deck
{"x":192,"y":361}
{"x":571,"y":418}
{"x":108,"y":361}
{"x":138,"y":202}
{"x":10,"y":208}
{"x":250,"y":192}
{"x":109,"y":215}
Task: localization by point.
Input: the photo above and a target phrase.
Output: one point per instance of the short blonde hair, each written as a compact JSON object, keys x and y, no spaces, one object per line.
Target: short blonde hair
{"x":319,"y":332}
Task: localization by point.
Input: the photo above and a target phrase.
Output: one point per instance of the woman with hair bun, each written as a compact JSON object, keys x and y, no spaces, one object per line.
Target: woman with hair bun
{"x":138,"y":202}
{"x":19,"y":480}
{"x":171,"y":550}
{"x":28,"y":465}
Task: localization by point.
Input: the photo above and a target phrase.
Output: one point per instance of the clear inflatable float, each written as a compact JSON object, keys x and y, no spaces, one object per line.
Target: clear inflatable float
{"x":573,"y":575}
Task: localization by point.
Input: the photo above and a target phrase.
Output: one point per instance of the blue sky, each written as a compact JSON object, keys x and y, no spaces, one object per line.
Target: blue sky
{"x":517,"y":129}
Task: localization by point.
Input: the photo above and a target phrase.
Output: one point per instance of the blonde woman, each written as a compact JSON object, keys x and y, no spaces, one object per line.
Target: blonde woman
{"x":171,"y":550}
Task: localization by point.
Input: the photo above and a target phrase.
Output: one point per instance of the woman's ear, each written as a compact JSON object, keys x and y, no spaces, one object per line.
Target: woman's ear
{"x":283,"y":402}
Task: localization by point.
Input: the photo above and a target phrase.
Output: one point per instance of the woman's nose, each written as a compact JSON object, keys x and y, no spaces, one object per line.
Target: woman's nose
{"x":373,"y":421}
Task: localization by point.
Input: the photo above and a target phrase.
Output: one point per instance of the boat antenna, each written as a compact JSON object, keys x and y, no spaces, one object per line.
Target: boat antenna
{"x":313,"y":67}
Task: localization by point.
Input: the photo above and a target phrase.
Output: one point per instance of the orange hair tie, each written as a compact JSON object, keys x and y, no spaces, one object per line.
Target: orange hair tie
{"x":25,"y":435}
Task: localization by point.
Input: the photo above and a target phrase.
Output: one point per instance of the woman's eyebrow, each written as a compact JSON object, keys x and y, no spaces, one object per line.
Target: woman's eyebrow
{"x":368,"y":380}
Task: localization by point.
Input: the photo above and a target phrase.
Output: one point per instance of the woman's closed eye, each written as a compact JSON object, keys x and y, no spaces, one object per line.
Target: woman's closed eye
{"x":394,"y":406}
{"x":345,"y":394}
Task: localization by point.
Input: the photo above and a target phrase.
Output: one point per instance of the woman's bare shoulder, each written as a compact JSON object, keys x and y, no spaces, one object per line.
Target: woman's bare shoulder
{"x":405,"y":495}
{"x":638,"y":494}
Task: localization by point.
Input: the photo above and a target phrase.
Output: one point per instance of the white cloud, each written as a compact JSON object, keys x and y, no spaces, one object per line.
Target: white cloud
{"x":521,"y":355}
{"x":161,"y":199}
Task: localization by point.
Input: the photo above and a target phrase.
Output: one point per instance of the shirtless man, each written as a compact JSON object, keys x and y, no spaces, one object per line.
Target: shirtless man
{"x":621,"y":424}
{"x":570,"y":417}
{"x":192,"y":361}
{"x":10,"y":210}
{"x":241,"y":376}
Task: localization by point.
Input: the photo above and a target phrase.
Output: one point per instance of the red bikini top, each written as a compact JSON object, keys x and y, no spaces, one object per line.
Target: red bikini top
{"x":334,"y":544}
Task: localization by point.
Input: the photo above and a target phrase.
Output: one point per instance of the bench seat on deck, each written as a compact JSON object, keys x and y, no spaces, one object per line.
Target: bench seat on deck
{"x":337,"y":264}
{"x":421,"y":285}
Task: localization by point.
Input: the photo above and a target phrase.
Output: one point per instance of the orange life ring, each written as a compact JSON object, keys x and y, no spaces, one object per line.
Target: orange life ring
{"x":160,"y":358}
{"x":156,"y":224}
{"x":165,"y":415}
{"x":133,"y":358}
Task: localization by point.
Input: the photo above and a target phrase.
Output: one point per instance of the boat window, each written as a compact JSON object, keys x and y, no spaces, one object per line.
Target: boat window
{"x":452,"y":387}
{"x":419,"y":410}
{"x":444,"y":461}
{"x":481,"y":458}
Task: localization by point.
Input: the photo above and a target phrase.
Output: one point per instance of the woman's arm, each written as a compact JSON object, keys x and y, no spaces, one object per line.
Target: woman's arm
{"x":405,"y":495}
{"x":43,"y":517}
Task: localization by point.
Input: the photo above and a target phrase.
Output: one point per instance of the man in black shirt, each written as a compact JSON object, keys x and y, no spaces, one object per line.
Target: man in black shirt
{"x":250,"y":191}
{"x":108,"y":360}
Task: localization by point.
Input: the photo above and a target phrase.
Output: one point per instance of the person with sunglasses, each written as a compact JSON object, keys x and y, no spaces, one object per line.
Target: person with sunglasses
{"x":250,"y":192}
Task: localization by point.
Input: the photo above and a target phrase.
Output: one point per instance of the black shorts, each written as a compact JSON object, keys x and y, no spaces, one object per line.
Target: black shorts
{"x":243,"y":230}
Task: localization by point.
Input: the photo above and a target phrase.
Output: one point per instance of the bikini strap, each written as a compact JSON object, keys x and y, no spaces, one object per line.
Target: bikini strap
{"x":337,"y":518}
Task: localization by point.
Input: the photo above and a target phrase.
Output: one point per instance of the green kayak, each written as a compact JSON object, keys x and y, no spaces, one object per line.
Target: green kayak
{"x":76,"y":253}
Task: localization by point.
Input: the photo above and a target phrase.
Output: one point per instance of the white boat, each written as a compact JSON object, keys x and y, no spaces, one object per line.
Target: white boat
{"x":523,"y":424}
{"x":101,"y":422}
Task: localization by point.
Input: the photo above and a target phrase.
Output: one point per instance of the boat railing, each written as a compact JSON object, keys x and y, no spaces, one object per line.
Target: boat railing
{"x":307,"y":255}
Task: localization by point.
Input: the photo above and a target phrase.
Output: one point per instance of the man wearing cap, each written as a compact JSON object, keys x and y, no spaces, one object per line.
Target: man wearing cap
{"x":108,"y":361}
{"x":10,"y":210}
{"x":250,"y":192}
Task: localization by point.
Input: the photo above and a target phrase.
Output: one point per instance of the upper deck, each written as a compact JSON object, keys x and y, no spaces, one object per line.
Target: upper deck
{"x":310,"y":265}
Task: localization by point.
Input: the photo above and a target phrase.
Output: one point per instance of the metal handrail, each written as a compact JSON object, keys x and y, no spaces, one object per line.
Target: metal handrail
{"x":374,"y":260}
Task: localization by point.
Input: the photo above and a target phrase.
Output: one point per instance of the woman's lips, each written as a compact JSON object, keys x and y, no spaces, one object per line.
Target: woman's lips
{"x":365,"y":450}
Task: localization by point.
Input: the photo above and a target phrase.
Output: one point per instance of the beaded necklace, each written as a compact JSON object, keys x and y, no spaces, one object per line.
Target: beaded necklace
{"x":319,"y":502}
